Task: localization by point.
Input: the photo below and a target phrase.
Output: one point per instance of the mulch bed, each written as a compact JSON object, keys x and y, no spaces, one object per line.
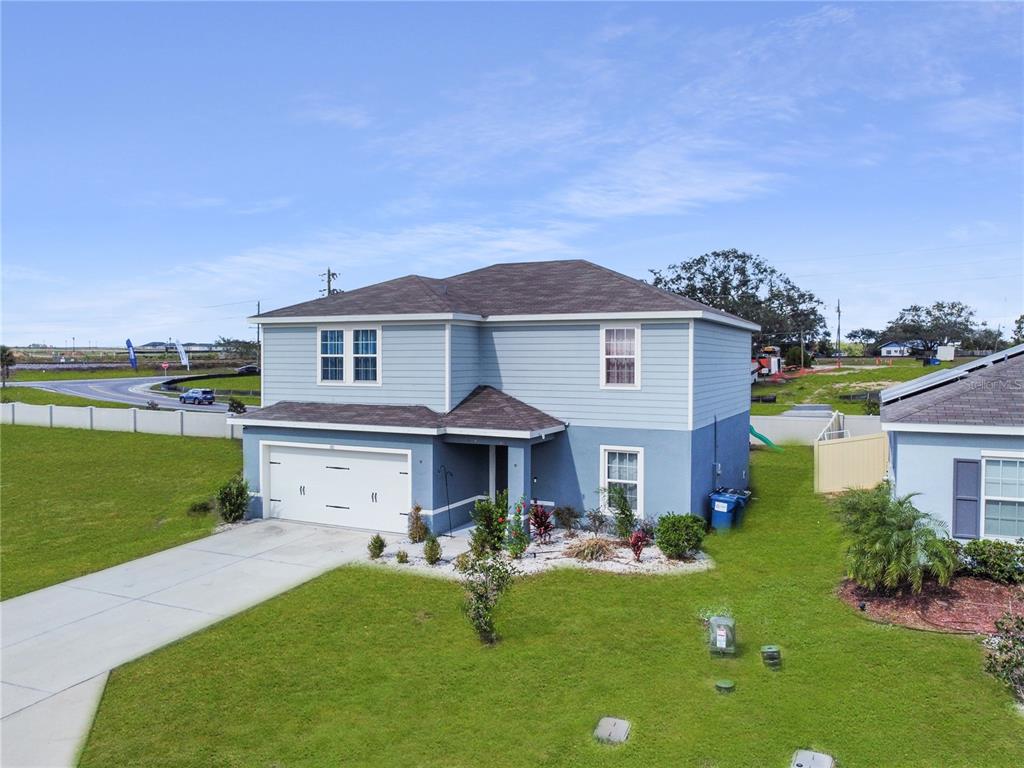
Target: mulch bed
{"x":968,"y":605}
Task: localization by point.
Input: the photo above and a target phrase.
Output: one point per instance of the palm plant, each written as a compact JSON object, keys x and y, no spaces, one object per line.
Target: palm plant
{"x":892,"y":543}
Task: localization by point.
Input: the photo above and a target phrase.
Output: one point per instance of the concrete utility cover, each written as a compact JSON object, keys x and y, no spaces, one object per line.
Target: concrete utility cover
{"x":804,"y":758}
{"x":612,"y":730}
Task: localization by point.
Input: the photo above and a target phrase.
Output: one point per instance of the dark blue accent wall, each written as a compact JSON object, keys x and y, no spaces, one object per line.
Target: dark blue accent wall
{"x":732,"y":457}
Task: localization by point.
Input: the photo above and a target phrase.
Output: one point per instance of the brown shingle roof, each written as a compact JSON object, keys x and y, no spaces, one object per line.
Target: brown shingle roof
{"x":989,"y":396}
{"x":486,"y":408}
{"x":536,"y":287}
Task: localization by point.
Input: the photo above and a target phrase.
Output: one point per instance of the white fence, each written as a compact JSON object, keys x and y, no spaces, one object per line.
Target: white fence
{"x":184,"y":423}
{"x":804,"y":430}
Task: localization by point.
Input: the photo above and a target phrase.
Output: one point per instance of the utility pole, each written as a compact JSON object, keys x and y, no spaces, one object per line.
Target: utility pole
{"x":839,"y":333}
{"x":330,"y":277}
{"x":801,"y":350}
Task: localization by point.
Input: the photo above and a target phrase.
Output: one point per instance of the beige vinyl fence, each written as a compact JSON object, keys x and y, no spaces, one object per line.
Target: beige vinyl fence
{"x":841,"y":463}
{"x":184,"y":423}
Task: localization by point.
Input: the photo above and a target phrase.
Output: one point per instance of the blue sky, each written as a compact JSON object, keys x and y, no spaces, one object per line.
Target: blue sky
{"x":166,"y":165}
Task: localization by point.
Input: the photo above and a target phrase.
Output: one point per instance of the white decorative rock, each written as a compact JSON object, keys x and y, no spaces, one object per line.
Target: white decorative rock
{"x":612,"y":730}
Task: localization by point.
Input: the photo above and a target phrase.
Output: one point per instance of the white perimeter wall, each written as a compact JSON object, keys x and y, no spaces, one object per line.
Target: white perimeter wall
{"x":184,"y":423}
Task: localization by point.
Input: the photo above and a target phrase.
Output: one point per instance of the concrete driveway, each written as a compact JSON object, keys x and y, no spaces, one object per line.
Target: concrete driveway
{"x":59,"y":644}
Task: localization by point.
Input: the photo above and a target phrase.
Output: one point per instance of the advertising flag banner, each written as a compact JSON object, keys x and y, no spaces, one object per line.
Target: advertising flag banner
{"x":181,"y":354}
{"x":132,"y":360}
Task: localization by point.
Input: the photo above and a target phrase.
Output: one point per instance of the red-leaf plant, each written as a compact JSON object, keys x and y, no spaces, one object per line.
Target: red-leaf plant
{"x":541,"y":522}
{"x":637,"y":541}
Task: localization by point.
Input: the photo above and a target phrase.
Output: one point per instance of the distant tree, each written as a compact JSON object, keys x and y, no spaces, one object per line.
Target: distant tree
{"x":1018,"y":331}
{"x":865,"y":336}
{"x":243,"y":349}
{"x":746,"y":285}
{"x":6,"y":363}
{"x":944,"y":322}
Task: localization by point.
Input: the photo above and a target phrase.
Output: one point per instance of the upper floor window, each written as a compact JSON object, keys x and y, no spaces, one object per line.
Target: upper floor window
{"x":348,"y":355}
{"x":620,"y":356}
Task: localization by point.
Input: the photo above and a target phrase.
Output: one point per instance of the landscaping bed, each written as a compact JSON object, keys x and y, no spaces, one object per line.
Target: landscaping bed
{"x":968,"y":605}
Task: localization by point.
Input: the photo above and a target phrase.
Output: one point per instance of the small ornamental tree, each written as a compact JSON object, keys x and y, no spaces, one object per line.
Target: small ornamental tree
{"x":515,"y":537}
{"x":491,"y":518}
{"x":1005,"y":657}
{"x":432,"y":550}
{"x":485,"y":581}
{"x":622,"y":511}
{"x":376,"y":546}
{"x":418,"y":530}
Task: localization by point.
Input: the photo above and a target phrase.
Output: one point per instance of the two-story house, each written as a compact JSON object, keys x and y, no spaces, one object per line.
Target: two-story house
{"x":549,"y":379}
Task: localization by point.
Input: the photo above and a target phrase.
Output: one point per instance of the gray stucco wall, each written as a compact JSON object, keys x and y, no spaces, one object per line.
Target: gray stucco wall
{"x":922,"y":463}
{"x":557,"y":367}
{"x":568,"y":467}
{"x":412,"y":367}
{"x":721,"y":372}
{"x":469,"y":466}
{"x":728,"y":465}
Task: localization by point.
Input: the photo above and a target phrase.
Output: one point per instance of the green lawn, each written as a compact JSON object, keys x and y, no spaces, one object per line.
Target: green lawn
{"x":223,"y":384}
{"x":35,"y":396}
{"x":827,"y":386}
{"x":368,"y":667}
{"x":76,"y":501}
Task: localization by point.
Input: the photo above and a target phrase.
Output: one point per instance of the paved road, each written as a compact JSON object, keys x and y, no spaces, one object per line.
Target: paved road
{"x":134,"y":390}
{"x":60,"y":643}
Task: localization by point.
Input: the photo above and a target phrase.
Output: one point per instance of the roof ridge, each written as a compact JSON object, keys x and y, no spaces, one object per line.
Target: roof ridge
{"x":649,"y":286}
{"x":443,"y":299}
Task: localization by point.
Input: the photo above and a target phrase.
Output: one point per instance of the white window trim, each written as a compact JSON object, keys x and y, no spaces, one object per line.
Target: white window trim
{"x":985,"y":457}
{"x":349,"y":355}
{"x":603,"y":474}
{"x":601,"y":374}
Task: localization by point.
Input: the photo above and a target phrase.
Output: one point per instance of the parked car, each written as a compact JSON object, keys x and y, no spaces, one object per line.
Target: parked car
{"x":197,"y":397}
{"x":248,"y":369}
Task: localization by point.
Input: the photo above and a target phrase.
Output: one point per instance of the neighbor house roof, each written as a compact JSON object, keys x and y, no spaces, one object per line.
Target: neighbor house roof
{"x":485,"y":411}
{"x":528,"y":288}
{"x":984,"y":393}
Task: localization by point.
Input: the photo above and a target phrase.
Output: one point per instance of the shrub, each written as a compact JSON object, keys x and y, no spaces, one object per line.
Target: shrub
{"x":1001,"y":561}
{"x":432,"y":550}
{"x":376,"y":546}
{"x":401,"y":556}
{"x":540,"y":522}
{"x":418,"y":530}
{"x":892,"y":543}
{"x":872,"y":407}
{"x":490,"y":517}
{"x":567,"y":517}
{"x":793,"y":357}
{"x":462,"y":561}
{"x":591,"y":550}
{"x":485,"y":581}
{"x":647,"y":527}
{"x":622,"y":513}
{"x":595,"y":521}
{"x":515,"y":536}
{"x":152,"y":405}
{"x":1005,"y":658}
{"x":638,"y":540}
{"x":200,"y":508}
{"x":679,"y":536}
{"x":236,"y":406}
{"x":233,"y":499}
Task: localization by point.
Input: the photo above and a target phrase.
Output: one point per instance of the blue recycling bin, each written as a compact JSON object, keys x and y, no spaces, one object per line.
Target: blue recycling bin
{"x":726,"y":506}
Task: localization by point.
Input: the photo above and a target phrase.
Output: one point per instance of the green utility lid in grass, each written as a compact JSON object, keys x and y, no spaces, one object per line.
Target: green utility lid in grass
{"x":725,"y":686}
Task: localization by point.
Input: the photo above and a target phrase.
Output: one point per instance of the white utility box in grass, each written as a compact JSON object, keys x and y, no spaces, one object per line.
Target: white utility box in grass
{"x":722,"y":635}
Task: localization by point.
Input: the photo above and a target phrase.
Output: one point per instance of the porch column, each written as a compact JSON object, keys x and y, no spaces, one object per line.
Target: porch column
{"x":520,"y":472}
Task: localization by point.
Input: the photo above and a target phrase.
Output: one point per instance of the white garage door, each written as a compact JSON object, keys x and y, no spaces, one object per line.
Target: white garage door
{"x":359,"y":489}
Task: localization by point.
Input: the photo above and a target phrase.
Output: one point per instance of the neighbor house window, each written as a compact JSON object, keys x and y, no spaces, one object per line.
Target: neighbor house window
{"x":332,"y":355}
{"x":1004,"y":497}
{"x":348,"y":355}
{"x":620,"y":356}
{"x":364,"y":354}
{"x":623,"y":468}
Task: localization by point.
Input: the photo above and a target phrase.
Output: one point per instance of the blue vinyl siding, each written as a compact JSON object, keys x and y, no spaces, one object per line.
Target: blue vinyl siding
{"x":465,"y":361}
{"x":412,"y":367}
{"x":556,"y":367}
{"x":721,"y":375}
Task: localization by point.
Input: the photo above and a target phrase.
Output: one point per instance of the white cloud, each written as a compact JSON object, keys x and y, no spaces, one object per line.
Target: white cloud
{"x":975,"y":116}
{"x":263,"y":206}
{"x":318,"y":108}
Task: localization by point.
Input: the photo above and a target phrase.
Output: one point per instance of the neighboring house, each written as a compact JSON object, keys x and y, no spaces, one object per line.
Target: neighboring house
{"x":896,"y":349}
{"x":956,"y":437}
{"x":548,"y":379}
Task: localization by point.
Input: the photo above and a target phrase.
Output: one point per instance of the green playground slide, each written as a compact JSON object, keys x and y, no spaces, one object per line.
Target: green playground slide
{"x":764,"y":439}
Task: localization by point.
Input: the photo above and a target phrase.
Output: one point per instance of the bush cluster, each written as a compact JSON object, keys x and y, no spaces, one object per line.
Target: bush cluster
{"x":236,"y":406}
{"x":892,"y":543}
{"x":680,"y":536}
{"x":491,"y":518}
{"x":233,"y":499}
{"x":1001,"y":561}
{"x":567,"y":517}
{"x":376,"y":546}
{"x":401,"y":556}
{"x":432,"y":550}
{"x":1005,"y":658}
